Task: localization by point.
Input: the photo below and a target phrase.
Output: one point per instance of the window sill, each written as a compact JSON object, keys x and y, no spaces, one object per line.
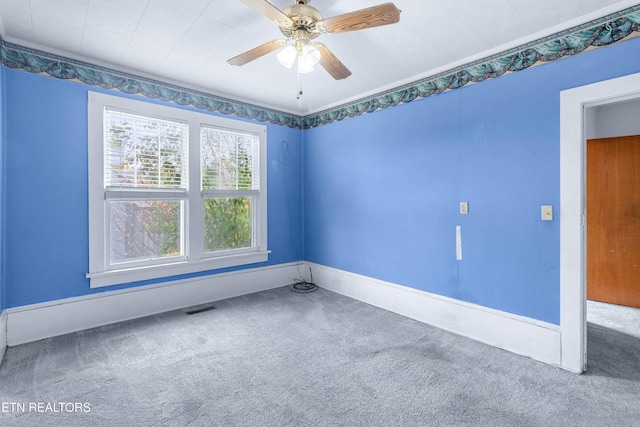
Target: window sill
{"x":128,"y":275}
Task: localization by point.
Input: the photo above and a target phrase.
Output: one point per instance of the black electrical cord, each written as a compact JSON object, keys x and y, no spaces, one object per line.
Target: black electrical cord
{"x":302,"y":286}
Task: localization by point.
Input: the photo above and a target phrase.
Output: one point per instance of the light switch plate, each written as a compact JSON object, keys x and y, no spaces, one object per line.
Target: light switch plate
{"x":547,"y":213}
{"x":464,"y":208}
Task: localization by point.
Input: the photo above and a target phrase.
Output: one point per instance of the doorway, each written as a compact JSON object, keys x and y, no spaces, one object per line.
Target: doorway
{"x":613,"y":219}
{"x":613,"y":247}
{"x":577,"y":107}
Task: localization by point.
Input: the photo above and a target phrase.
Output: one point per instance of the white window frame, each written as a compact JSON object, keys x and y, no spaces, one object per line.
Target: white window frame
{"x":195,"y":259}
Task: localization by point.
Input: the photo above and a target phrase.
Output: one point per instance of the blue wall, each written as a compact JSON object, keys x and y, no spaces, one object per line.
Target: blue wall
{"x":46,"y":190}
{"x":382,"y":191}
{"x":376,"y":195}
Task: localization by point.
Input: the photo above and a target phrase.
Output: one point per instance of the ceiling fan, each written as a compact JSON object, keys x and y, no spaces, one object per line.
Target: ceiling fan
{"x":301,"y":23}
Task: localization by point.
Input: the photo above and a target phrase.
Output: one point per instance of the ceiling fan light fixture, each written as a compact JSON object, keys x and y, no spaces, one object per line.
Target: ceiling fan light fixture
{"x":287,"y":56}
{"x":304,"y":66}
{"x":310,"y":54}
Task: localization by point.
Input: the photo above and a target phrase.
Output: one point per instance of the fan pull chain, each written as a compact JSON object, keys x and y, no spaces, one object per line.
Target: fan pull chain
{"x":299,"y":92}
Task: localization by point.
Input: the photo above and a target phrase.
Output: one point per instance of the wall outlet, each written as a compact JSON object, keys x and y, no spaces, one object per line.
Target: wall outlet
{"x":464,"y":208}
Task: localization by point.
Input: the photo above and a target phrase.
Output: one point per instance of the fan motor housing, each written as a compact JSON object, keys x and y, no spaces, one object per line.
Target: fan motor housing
{"x":304,"y":18}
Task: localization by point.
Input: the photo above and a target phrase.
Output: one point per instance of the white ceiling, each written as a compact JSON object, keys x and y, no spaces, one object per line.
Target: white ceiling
{"x":188,"y":42}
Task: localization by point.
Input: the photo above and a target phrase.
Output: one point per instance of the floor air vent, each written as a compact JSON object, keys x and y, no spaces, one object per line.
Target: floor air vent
{"x":199,"y":309}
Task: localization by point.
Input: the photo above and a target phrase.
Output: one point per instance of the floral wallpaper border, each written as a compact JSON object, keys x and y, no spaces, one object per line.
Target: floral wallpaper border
{"x":38,"y":62}
{"x":598,"y":33}
{"x":601,"y":32}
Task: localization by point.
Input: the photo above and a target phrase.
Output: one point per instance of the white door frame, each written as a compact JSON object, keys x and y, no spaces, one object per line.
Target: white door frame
{"x":573,"y":299}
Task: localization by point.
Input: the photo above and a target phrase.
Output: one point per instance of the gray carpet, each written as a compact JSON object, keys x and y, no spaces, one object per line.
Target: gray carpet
{"x":279,"y":358}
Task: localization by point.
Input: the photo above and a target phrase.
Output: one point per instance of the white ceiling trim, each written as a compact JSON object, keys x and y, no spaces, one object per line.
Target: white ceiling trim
{"x":550,"y":32}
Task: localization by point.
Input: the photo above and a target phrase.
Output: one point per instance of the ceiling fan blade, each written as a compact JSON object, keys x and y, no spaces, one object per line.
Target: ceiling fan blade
{"x":376,"y":16}
{"x":331,"y":63}
{"x":268,"y":10}
{"x":256,"y":52}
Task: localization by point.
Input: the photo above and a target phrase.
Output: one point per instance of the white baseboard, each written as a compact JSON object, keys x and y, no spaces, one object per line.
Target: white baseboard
{"x":521,"y":335}
{"x":528,"y":337}
{"x":37,"y":321}
{"x":3,"y":334}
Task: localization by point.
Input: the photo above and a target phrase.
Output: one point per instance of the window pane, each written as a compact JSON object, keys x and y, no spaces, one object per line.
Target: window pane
{"x":228,"y":223}
{"x":229,"y":160}
{"x":143,"y":230}
{"x":144,"y":152}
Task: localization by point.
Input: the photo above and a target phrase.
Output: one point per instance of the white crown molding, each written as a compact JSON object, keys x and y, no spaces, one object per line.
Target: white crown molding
{"x":131,"y":71}
{"x":514,"y":44}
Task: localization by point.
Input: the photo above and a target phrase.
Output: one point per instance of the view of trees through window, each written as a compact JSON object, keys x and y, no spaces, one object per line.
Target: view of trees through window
{"x":145,"y":230}
{"x":227,"y":163}
{"x":145,"y":153}
{"x":227,"y":223}
{"x":146,"y":159}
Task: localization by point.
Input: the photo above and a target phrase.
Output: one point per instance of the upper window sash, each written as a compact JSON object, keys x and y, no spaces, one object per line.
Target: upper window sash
{"x":144,"y":151}
{"x":229,"y":160}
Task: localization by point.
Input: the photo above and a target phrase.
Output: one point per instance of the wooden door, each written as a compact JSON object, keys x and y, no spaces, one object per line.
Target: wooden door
{"x":613,"y":220}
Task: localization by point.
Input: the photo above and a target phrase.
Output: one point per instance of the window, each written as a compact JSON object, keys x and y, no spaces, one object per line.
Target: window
{"x":172,"y":191}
